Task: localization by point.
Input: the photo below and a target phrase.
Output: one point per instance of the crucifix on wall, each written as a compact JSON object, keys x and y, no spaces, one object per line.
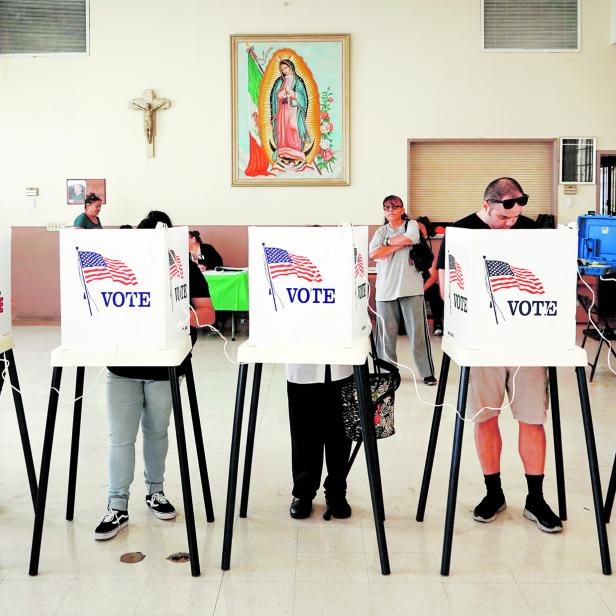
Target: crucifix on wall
{"x":149,"y":104}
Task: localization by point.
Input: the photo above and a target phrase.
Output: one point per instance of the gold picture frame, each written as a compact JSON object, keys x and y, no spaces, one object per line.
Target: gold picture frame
{"x":290,"y":110}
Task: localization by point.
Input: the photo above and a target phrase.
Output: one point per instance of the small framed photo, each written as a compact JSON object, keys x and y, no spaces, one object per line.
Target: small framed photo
{"x":77,"y":189}
{"x":577,"y":160}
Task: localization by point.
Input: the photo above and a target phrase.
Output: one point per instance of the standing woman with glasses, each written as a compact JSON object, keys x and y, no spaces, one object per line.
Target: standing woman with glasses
{"x":399,"y":289}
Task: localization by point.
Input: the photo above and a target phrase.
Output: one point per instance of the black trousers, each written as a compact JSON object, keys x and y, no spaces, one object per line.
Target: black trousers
{"x":315,"y":418}
{"x":433,"y":297}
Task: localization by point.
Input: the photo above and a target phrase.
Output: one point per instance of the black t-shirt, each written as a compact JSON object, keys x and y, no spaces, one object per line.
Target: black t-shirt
{"x":474,"y":222}
{"x":197,"y":287}
{"x":210,"y":257}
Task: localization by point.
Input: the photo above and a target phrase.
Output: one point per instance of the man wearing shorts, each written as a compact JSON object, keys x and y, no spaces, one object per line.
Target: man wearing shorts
{"x":502,"y":206}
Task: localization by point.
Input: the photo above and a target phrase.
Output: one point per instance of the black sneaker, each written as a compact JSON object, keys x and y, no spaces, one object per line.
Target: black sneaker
{"x":159,"y":505}
{"x":438,"y":331}
{"x":112,"y":523}
{"x":429,"y":380}
{"x":546,"y":519}
{"x":487,"y":509}
{"x":338,"y":507}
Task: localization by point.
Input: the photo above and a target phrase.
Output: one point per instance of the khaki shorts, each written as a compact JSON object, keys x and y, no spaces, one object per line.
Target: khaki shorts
{"x":488,"y":385}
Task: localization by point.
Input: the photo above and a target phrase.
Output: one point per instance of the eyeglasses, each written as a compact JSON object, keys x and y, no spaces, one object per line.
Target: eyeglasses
{"x":509,"y":203}
{"x":392,"y":207}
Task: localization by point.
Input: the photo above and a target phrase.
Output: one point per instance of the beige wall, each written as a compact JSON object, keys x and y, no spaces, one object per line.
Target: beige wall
{"x":416,"y":69}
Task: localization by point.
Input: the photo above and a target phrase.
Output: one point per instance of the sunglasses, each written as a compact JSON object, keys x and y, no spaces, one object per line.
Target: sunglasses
{"x":392,"y":207}
{"x":509,"y":203}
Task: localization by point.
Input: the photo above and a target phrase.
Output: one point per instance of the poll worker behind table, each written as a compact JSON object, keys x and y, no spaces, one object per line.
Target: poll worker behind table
{"x":315,"y":418}
{"x":143,"y":395}
{"x":399,"y":289}
{"x":204,"y":255}
{"x":89,"y":219}
{"x":503,"y":203}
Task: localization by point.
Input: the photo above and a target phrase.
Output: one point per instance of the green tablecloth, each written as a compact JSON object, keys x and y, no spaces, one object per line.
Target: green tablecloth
{"x":229,"y":290}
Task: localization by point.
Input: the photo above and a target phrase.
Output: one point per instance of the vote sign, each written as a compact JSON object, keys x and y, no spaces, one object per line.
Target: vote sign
{"x":308,"y":286}
{"x":511,"y":288}
{"x":124,"y":288}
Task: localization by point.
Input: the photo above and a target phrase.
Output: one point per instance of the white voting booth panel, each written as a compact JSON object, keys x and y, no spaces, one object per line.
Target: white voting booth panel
{"x":5,"y":281}
{"x":308,"y":287}
{"x":511,"y":290}
{"x":124,"y":290}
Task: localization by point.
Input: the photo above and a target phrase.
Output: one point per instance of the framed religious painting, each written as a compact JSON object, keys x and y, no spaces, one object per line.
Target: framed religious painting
{"x":290,"y":110}
{"x":78,"y":189}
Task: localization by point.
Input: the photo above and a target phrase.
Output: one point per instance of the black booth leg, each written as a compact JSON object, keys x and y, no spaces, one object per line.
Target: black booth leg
{"x":234,"y":459}
{"x":454,"y":472}
{"x":368,"y":434}
{"x":21,"y":422}
{"x":611,"y":492}
{"x":196,"y":422}
{"x":594,"y":364}
{"x":72,"y":472}
{"x":41,"y":495}
{"x":250,"y":439}
{"x":594,"y":471}
{"x":436,"y":424}
{"x":558,"y":445}
{"x":184,"y":472}
{"x":3,"y":369}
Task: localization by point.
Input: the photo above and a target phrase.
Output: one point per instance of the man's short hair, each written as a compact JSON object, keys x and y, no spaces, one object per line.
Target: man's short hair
{"x":499,"y":187}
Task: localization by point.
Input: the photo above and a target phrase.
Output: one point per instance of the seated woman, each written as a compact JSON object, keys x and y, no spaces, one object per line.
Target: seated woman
{"x":204,"y":255}
{"x":89,"y":219}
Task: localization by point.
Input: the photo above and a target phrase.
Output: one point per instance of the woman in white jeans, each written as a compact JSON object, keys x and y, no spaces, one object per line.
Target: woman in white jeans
{"x":142,"y":395}
{"x":399,"y":289}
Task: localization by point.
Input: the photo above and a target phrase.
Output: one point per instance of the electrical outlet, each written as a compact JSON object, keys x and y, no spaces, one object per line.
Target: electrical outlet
{"x":55,"y":226}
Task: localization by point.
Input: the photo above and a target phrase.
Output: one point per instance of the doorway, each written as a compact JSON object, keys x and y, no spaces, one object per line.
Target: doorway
{"x":606,"y":181}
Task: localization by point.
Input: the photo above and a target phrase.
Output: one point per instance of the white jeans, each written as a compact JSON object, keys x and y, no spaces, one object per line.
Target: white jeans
{"x":130,"y":402}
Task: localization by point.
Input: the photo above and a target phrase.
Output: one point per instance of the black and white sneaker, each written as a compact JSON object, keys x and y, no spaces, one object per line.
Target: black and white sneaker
{"x":112,"y":523}
{"x":546,"y":519}
{"x":487,"y":509}
{"x":159,"y":505}
{"x":430,"y":380}
{"x":438,"y":331}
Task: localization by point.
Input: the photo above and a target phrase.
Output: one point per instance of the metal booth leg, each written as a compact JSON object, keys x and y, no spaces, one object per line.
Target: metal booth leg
{"x":558,"y":444}
{"x":363,"y":390}
{"x":72,"y":472}
{"x":611,"y":492}
{"x":250,"y":439}
{"x":196,"y":422}
{"x":454,"y":472}
{"x":594,"y":471}
{"x":234,"y":459}
{"x":184,"y":471}
{"x":21,"y":422}
{"x":436,"y":424}
{"x":41,"y":495}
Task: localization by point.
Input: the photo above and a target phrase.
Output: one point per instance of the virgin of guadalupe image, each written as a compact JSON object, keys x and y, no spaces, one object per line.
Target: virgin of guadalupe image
{"x":289,"y":107}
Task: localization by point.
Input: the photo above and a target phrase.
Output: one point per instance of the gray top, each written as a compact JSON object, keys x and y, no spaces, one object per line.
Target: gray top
{"x":396,"y":276}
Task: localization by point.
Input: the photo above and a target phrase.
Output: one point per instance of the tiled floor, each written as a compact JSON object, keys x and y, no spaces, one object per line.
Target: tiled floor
{"x":284,"y":566}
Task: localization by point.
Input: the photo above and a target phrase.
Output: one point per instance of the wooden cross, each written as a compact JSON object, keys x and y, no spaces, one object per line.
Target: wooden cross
{"x":149,"y":104}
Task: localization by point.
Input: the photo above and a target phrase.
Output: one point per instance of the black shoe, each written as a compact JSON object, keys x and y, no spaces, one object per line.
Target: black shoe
{"x":545,"y":518}
{"x":159,"y":505}
{"x":429,"y":380}
{"x":338,"y":507}
{"x":487,"y":509}
{"x":438,"y":331}
{"x":112,"y":523}
{"x":300,"y":508}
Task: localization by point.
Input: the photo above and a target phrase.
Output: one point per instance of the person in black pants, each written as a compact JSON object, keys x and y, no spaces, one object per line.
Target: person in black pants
{"x":315,"y":416}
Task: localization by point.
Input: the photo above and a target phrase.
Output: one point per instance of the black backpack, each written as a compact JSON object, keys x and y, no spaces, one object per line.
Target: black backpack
{"x":421,"y":253}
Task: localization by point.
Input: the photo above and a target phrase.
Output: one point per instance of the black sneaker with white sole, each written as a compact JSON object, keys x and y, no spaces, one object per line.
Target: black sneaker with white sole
{"x":112,"y":523}
{"x":487,"y":509}
{"x":430,"y":380}
{"x":159,"y":505}
{"x":546,"y":519}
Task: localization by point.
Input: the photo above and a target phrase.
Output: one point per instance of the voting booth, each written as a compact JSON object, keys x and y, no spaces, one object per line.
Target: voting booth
{"x":511,"y":290}
{"x":5,"y":281}
{"x":124,"y":289}
{"x":308,"y":286}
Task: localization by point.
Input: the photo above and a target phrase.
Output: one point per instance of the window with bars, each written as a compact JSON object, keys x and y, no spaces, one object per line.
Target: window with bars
{"x":531,"y":25}
{"x":577,"y":160}
{"x":36,"y":27}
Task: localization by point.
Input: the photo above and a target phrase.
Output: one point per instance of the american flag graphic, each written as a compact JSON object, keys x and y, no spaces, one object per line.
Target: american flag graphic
{"x":96,"y":267}
{"x":455,"y":272}
{"x":504,"y":276}
{"x":359,"y":266}
{"x":175,"y":265}
{"x":283,"y":263}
